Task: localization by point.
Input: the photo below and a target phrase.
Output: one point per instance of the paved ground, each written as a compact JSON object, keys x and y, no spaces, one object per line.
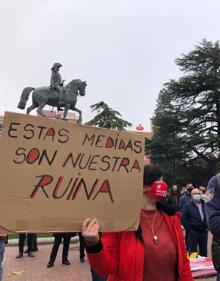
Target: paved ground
{"x":34,"y":269}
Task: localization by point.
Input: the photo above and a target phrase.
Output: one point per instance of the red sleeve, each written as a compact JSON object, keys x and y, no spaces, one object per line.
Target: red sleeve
{"x":178,"y":214}
{"x":105,"y":262}
{"x":185,"y":271}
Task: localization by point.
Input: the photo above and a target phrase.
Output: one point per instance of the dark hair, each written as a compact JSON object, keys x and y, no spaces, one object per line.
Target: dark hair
{"x":152,"y":173}
{"x":138,"y":234}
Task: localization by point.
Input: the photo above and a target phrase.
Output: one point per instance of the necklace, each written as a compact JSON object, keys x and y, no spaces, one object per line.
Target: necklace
{"x":154,"y":236}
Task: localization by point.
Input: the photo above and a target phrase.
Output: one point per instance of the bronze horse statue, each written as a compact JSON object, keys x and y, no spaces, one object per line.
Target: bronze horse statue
{"x":46,"y":95}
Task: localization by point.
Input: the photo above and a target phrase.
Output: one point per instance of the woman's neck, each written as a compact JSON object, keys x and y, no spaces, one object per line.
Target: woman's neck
{"x":149,"y":203}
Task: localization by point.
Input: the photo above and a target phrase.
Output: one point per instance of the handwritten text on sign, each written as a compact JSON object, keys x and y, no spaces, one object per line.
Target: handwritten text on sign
{"x":65,"y":162}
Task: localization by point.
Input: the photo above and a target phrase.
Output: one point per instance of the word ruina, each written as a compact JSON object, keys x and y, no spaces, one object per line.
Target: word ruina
{"x":69,"y":189}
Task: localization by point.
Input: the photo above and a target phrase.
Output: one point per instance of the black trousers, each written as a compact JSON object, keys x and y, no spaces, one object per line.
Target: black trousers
{"x":81,"y":246}
{"x":196,"y":240}
{"x":22,"y":238}
{"x":34,"y":242}
{"x":187,"y":239}
{"x":56,"y":245}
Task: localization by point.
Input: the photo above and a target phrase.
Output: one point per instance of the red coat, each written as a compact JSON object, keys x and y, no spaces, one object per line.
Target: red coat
{"x":122,"y":256}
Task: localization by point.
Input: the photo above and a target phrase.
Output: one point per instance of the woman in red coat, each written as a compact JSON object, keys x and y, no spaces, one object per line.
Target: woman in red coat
{"x":155,"y":252}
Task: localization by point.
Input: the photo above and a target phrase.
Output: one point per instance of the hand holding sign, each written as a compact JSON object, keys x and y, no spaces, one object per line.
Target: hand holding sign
{"x":90,"y":232}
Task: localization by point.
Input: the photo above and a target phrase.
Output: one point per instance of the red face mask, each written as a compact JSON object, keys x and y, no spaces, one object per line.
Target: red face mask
{"x":158,"y":190}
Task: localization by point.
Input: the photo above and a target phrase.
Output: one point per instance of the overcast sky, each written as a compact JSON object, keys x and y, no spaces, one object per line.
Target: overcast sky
{"x":124,"y":49}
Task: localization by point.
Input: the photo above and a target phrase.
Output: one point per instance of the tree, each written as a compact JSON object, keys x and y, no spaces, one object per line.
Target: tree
{"x":186,"y":123}
{"x":107,"y":117}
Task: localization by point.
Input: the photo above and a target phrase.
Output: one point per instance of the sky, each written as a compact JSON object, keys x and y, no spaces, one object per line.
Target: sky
{"x":124,"y":49}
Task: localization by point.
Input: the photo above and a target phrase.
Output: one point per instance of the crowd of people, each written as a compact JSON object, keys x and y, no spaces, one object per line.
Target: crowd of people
{"x":31,"y":239}
{"x":190,"y":205}
{"x":174,"y":225}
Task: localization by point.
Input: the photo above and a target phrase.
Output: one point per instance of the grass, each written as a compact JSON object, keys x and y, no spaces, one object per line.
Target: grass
{"x":39,"y":235}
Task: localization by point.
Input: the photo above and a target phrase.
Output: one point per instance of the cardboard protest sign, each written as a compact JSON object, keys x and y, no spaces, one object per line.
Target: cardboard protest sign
{"x":55,"y":174}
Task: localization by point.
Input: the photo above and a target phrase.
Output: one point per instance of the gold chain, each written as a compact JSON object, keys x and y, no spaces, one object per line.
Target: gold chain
{"x":154,"y":236}
{"x":151,"y":226}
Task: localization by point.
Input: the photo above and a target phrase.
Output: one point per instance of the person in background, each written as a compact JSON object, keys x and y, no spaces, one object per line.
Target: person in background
{"x":187,"y":196}
{"x":34,"y":244}
{"x":22,"y":238}
{"x":57,"y":241}
{"x":213,"y":218}
{"x":156,"y":251}
{"x":173,"y":197}
{"x":81,"y":247}
{"x":95,"y":276}
{"x":203,"y":192}
{"x":3,"y":238}
{"x":194,"y":221}
{"x":183,"y":191}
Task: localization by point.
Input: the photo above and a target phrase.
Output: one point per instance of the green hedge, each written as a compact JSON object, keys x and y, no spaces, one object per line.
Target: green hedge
{"x":39,"y":235}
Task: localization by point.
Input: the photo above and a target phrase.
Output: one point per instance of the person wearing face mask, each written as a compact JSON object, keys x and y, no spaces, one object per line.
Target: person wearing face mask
{"x":194,"y":221}
{"x":154,"y":252}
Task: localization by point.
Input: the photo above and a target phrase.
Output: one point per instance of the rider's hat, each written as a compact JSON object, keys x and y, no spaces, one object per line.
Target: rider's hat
{"x":56,"y":64}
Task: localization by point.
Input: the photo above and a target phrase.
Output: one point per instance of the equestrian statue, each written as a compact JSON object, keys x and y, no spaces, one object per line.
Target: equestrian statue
{"x":55,"y":95}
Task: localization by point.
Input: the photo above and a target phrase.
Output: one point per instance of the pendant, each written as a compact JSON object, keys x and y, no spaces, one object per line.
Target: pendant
{"x":155,"y":239}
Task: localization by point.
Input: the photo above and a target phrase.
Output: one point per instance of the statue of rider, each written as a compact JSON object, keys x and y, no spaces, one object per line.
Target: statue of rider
{"x":56,"y":82}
